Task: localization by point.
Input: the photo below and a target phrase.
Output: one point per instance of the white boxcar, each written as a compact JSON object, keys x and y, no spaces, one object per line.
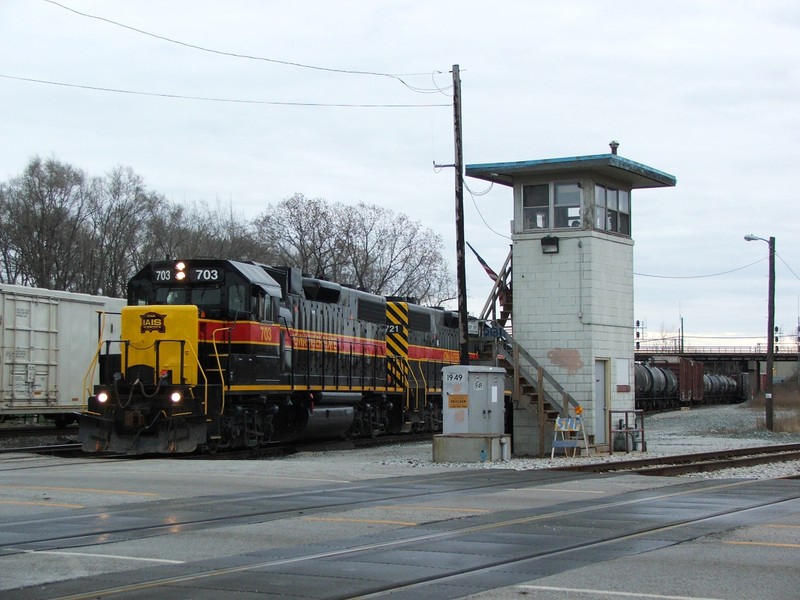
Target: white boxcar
{"x":48,"y":340}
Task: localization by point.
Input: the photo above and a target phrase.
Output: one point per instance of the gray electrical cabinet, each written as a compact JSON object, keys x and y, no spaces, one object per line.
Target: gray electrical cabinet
{"x":473,"y":400}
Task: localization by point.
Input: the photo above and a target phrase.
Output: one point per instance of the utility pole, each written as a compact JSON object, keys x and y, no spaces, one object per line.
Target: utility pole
{"x":461,"y":270}
{"x":770,"y":329}
{"x":770,"y":337}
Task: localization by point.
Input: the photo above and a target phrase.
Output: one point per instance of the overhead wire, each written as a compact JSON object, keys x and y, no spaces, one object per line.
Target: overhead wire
{"x":212,"y":99}
{"x":700,"y":276}
{"x":478,"y":210}
{"x":787,"y":265}
{"x":397,"y":77}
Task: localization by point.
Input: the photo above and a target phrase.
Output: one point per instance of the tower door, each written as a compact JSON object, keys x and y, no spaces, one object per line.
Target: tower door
{"x":600,"y":402}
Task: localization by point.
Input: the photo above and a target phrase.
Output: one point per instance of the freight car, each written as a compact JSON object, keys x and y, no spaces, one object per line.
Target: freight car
{"x":675,"y":384}
{"x":47,"y":338}
{"x":228,"y":354}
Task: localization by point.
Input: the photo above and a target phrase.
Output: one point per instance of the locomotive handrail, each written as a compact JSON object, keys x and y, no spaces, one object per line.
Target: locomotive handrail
{"x":89,"y":375}
{"x":410,"y":370}
{"x":202,"y":372}
{"x":219,"y":368}
{"x":282,"y":348}
{"x":185,"y":343}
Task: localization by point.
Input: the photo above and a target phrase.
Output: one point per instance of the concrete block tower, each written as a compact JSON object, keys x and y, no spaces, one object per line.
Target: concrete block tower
{"x":572,"y":273}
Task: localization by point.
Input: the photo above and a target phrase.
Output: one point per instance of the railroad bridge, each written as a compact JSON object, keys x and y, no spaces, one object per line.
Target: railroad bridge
{"x":733,"y":359}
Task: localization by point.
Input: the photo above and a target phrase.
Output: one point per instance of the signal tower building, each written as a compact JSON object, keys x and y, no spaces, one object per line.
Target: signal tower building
{"x":572,"y":279}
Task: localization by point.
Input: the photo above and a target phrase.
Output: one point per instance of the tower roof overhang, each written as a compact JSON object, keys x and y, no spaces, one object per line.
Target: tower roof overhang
{"x":608,"y":166}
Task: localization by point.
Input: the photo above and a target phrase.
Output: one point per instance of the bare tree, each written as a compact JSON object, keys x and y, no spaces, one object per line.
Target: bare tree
{"x":367,"y":246}
{"x":302,"y":232}
{"x":11,"y":269}
{"x":45,"y":213}
{"x":222,"y":233}
{"x":120,"y":227}
{"x":389,"y":253}
{"x":64,"y":230}
{"x":177,"y":231}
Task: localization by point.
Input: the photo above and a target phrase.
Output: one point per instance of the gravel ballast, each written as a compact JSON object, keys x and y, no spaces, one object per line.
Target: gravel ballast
{"x":706,"y":429}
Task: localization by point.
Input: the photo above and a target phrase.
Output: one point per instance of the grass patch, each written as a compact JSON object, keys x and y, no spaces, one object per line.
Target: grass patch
{"x":785,"y":407}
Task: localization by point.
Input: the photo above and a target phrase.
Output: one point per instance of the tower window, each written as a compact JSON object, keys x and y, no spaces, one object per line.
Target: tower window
{"x":536,"y":206}
{"x":557,"y":203}
{"x":612,"y":210}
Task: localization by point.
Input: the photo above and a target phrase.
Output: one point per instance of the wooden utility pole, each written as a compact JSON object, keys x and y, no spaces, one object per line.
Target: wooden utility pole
{"x":461,"y":270}
{"x":770,"y":338}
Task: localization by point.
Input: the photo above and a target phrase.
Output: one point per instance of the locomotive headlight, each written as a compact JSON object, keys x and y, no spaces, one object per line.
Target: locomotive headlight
{"x":175,"y":397}
{"x":102,"y":397}
{"x":180,"y":271}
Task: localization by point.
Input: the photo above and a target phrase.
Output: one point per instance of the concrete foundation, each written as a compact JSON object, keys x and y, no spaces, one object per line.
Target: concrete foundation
{"x":471,"y":447}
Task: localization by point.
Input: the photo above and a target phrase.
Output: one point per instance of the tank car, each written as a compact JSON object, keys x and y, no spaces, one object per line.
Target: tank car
{"x":229,"y":354}
{"x":678,"y":383}
{"x":656,"y":387}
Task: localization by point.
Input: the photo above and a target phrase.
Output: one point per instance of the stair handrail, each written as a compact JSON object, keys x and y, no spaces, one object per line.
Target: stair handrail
{"x":508,"y":347}
{"x":503,"y":280}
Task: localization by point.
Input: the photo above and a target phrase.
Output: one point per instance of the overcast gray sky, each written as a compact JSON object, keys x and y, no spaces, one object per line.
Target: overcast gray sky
{"x":708,"y":91}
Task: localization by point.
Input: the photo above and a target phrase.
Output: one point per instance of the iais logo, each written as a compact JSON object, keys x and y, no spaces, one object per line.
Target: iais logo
{"x":152,"y":321}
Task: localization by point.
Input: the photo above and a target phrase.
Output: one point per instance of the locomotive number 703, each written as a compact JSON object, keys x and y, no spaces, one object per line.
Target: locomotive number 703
{"x":206,"y":274}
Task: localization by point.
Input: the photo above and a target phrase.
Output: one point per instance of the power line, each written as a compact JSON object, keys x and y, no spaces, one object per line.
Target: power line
{"x":397,"y":77}
{"x":211,"y":99}
{"x":787,"y":265}
{"x":700,"y":276}
{"x":478,"y":210}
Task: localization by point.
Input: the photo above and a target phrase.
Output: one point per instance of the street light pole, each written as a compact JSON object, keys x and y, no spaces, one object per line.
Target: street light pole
{"x":771,"y":339}
{"x":770,"y":330}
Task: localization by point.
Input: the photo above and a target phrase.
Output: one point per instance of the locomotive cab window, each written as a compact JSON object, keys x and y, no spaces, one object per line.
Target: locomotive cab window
{"x":237,"y":300}
{"x":266,"y":309}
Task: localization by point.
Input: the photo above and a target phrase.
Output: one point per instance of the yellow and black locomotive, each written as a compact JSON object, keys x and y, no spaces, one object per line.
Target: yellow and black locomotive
{"x":225,"y":354}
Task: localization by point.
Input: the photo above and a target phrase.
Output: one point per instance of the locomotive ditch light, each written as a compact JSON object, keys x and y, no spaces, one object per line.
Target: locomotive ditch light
{"x":102,"y":397}
{"x":175,"y":396}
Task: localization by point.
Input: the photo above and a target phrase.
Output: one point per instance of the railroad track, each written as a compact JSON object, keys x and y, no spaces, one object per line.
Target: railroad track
{"x":268,"y":452}
{"x":38,"y":430}
{"x":697,"y":462}
{"x":658,"y":466}
{"x":428,"y":561}
{"x":54,"y":449}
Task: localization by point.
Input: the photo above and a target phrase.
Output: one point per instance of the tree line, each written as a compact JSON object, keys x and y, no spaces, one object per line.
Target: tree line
{"x":65,"y":230}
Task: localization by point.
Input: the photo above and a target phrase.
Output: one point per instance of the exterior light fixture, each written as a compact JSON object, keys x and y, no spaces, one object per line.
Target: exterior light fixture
{"x":550,"y":245}
{"x":770,"y":328}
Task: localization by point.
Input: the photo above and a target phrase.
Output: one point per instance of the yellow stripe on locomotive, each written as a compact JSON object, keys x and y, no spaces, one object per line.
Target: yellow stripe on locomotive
{"x":397,"y":344}
{"x":162,"y":337}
